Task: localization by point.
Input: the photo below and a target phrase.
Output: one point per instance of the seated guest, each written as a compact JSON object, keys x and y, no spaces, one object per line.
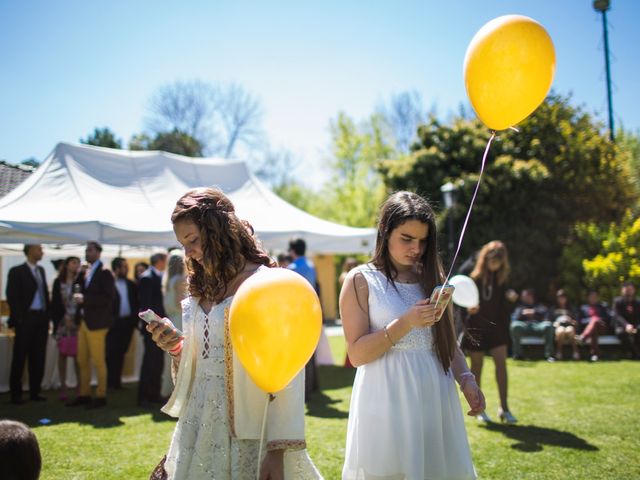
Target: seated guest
{"x":564,"y":322}
{"x":530,"y":318}
{"x":594,"y":321}
{"x":20,"y":457}
{"x":627,"y":312}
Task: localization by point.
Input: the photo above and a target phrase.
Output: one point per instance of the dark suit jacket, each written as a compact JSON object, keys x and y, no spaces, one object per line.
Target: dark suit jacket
{"x":21,"y":288}
{"x":150,"y":293}
{"x":132,"y":294}
{"x":99,"y":295}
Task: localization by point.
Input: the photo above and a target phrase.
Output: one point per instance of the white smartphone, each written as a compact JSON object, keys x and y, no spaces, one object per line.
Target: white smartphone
{"x":440,"y":297}
{"x":151,"y":316}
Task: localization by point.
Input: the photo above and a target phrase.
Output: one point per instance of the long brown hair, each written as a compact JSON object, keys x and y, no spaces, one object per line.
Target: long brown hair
{"x":228,"y":243}
{"x":493,"y":249}
{"x":64,"y":271}
{"x":399,"y":208}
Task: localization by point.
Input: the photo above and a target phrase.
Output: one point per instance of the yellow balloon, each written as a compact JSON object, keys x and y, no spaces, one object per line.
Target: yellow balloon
{"x":274,"y":322}
{"x":508,"y":70}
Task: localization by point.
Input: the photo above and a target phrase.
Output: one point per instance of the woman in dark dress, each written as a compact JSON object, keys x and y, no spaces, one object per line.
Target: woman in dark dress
{"x":487,"y":325}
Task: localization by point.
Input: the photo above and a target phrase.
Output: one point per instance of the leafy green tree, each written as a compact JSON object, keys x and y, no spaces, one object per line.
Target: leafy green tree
{"x":173,"y":142}
{"x":559,"y":169}
{"x":603,"y":256}
{"x":356,"y":189}
{"x":102,"y":137}
{"x":31,"y":162}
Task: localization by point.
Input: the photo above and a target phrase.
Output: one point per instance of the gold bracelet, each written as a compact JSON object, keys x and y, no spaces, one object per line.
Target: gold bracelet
{"x":386,"y":334}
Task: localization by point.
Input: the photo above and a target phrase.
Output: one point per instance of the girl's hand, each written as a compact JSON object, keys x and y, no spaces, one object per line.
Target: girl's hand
{"x":474,"y":397}
{"x":422,"y":314}
{"x":272,"y":467}
{"x":164,"y":337}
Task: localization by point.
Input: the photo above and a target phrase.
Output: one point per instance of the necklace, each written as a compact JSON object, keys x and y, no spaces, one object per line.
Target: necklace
{"x":487,"y":291}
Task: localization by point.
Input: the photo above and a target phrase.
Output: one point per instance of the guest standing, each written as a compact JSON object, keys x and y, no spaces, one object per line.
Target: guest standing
{"x":63,"y":313}
{"x":487,"y":326}
{"x":28,"y":298}
{"x":150,"y":297}
{"x":95,"y":315}
{"x":125,"y":314}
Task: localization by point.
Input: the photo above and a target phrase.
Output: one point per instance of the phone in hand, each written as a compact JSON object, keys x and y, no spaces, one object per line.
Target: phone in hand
{"x":150,"y":316}
{"x":440,"y":297}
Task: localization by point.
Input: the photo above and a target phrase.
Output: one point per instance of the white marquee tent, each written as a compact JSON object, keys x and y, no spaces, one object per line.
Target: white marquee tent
{"x":122,"y":197}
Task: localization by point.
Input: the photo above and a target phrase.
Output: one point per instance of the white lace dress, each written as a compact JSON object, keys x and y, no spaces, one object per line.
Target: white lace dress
{"x":405,"y":419}
{"x":202,"y":446}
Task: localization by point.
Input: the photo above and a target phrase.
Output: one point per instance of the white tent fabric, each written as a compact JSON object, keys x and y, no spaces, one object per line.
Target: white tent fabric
{"x":123,"y":197}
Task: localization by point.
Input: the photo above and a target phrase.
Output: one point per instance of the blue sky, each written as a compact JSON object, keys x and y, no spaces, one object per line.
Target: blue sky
{"x":69,"y":66}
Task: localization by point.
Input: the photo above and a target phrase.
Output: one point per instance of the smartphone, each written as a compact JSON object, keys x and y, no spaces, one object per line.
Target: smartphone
{"x":151,"y":316}
{"x":440,"y":297}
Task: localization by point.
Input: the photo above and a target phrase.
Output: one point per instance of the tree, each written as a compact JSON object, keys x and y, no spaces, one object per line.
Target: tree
{"x":404,"y":115}
{"x":355,"y":191}
{"x":102,"y":137}
{"x":31,"y":162}
{"x":602,"y":257}
{"x":222,"y":119}
{"x":177,"y":142}
{"x":628,"y":144}
{"x":559,"y":169}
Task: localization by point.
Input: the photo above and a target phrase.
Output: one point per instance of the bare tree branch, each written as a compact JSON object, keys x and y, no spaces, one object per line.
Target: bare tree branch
{"x":220,"y":119}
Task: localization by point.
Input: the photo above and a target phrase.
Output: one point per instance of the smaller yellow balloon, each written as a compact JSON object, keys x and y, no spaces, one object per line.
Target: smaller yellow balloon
{"x":274,"y":321}
{"x":508,"y":70}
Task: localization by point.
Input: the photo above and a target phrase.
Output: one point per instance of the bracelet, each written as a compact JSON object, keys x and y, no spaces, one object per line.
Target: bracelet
{"x":466,"y":377}
{"x":175,"y":351}
{"x":386,"y":334}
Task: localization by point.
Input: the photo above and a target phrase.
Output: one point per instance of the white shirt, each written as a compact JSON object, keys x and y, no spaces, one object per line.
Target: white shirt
{"x":123,"y":291}
{"x":94,"y":267}
{"x":38,"y":297}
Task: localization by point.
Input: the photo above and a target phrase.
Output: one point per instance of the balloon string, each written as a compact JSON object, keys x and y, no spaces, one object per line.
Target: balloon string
{"x":264,"y":424}
{"x":473,"y":199}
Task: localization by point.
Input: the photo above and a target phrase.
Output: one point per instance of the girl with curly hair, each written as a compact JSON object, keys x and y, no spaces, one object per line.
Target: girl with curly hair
{"x":219,"y":411}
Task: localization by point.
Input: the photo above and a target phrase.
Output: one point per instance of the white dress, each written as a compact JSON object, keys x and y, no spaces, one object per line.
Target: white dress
{"x":405,"y":419}
{"x":202,"y":446}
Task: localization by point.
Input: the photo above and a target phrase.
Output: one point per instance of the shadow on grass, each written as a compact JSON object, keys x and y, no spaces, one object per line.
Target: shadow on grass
{"x":333,"y":377}
{"x":120,"y":404}
{"x":320,"y":405}
{"x":532,"y":439}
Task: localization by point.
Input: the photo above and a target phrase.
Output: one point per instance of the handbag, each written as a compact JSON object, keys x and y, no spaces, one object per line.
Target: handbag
{"x":68,"y":345}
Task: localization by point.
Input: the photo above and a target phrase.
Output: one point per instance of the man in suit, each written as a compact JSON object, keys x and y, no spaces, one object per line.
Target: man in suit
{"x":125,"y":314}
{"x":95,"y":316}
{"x":150,"y":296}
{"x":28,"y":298}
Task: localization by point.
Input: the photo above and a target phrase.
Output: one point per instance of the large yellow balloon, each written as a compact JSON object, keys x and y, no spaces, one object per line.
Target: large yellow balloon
{"x":274,"y":322}
{"x":508,"y":70}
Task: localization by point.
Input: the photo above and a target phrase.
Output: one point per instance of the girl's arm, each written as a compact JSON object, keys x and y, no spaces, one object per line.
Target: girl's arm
{"x":364,"y":346}
{"x":467,"y":382}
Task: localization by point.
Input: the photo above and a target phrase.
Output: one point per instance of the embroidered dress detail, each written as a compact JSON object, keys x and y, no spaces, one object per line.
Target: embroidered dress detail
{"x":204,"y":445}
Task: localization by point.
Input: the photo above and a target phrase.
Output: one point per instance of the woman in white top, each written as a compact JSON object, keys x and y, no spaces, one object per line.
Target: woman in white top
{"x":405,"y":420}
{"x":219,"y":408}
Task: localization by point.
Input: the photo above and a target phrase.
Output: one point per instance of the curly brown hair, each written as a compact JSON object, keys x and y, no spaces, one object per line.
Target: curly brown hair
{"x":493,"y":249}
{"x":399,"y":208}
{"x":228,"y":243}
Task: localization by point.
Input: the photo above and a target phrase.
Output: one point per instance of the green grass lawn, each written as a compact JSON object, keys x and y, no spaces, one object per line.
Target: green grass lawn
{"x":577,"y":421}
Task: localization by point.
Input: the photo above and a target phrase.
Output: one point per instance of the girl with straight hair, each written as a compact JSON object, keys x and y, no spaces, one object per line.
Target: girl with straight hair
{"x":405,"y":420}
